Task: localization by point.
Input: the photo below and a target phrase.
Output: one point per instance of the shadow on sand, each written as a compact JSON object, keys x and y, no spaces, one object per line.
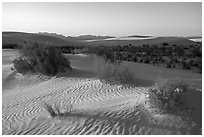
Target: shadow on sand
{"x":78,"y":73}
{"x":126,"y":122}
{"x":9,"y":81}
{"x":194,"y":101}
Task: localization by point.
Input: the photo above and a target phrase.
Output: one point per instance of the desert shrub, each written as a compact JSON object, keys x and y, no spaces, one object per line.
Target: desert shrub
{"x":40,"y":58}
{"x":22,"y":65}
{"x":113,"y":73}
{"x":10,"y":46}
{"x":168,"y":95}
{"x":108,"y":53}
{"x":168,"y":65}
{"x":197,"y":62}
{"x":186,"y":64}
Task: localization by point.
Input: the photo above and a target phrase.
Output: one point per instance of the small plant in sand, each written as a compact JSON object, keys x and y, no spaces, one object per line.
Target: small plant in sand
{"x":40,"y":58}
{"x":113,"y":73}
{"x":168,"y":95}
{"x":54,"y":111}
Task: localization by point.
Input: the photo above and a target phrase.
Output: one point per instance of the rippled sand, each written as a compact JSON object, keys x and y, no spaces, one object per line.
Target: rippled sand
{"x":97,"y":108}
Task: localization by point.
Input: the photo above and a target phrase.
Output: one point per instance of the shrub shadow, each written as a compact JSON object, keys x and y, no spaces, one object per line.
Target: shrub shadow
{"x":76,"y":72}
{"x":128,"y":122}
{"x":194,"y":101}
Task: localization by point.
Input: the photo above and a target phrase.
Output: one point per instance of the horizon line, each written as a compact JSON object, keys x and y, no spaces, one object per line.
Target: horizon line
{"x":99,"y":35}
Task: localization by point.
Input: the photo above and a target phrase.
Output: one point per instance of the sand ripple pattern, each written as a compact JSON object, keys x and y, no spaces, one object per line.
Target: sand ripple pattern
{"x":98,"y":109}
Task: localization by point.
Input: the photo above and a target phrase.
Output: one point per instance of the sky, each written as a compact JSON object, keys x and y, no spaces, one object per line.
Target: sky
{"x":112,"y":19}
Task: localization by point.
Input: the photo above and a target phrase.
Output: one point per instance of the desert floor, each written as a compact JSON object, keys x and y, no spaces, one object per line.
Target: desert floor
{"x":96,"y":108}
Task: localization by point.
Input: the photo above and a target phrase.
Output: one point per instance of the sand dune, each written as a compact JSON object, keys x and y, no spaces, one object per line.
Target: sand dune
{"x":97,"y":108}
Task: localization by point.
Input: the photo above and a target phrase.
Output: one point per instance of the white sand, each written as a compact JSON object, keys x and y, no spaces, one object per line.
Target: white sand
{"x":97,"y":108}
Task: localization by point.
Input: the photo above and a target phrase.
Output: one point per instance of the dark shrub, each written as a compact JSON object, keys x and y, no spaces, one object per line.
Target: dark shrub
{"x":41,"y":58}
{"x":186,"y":64}
{"x":168,"y":65}
{"x":168,"y":95}
{"x":22,"y":65}
{"x":198,"y":64}
{"x":9,"y":46}
{"x":196,"y":52}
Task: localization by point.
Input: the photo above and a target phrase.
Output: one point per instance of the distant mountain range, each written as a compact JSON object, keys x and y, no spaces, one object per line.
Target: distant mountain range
{"x":78,"y":38}
{"x":139,"y":36}
{"x":60,"y":40}
{"x":21,"y":37}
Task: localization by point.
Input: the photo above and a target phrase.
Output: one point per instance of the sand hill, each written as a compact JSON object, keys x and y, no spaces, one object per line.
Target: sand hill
{"x":96,"y":108}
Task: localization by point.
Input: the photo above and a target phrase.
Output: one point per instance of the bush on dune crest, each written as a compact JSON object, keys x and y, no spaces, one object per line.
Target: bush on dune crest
{"x":168,"y":95}
{"x":40,"y":58}
{"x":113,"y":73}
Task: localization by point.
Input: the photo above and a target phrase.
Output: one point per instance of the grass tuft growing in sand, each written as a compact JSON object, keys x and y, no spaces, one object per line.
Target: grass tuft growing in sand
{"x":114,"y":73}
{"x":54,"y":111}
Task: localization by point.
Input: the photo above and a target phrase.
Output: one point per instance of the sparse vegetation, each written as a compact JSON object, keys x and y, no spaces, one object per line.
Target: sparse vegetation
{"x":40,"y":58}
{"x":168,"y":95}
{"x":171,"y":56}
{"x":54,"y":111}
{"x":113,"y":73}
{"x":10,"y":46}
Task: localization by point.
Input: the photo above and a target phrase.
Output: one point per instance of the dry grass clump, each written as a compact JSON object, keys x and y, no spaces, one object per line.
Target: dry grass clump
{"x":113,"y":73}
{"x":168,"y":95}
{"x":54,"y":111}
{"x":40,"y":58}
